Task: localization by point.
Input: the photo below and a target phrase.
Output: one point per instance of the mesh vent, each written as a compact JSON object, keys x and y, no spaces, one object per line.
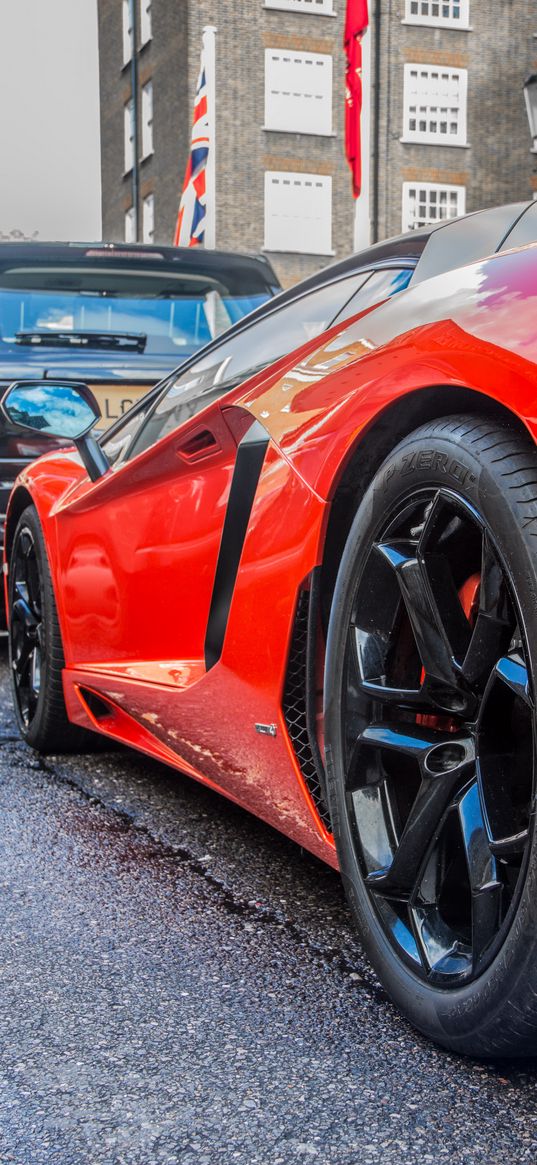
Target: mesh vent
{"x":294,"y":708}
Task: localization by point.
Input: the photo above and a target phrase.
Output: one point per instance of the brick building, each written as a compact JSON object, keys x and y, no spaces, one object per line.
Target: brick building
{"x":281,"y":180}
{"x":448,"y":126}
{"x":452,"y":129}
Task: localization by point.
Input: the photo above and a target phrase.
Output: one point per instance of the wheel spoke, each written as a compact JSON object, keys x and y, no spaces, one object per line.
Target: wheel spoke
{"x":494,"y":624}
{"x":445,"y":763}
{"x":440,"y":627}
{"x":490,"y":638}
{"x":425,"y":745}
{"x":370,"y":652}
{"x":485,"y":885}
{"x":26,"y":544}
{"x":512,"y":671}
{"x":510,"y":849}
{"x":21,"y":657}
{"x":493,"y":596}
{"x":23,"y":612}
{"x":434,"y":653}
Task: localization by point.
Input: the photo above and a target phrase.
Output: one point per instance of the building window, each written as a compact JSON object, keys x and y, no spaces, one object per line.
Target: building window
{"x":148,"y":219}
{"x":443,"y":13}
{"x":130,"y":233}
{"x":127,"y":31}
{"x":298,"y":213}
{"x":129,"y":135}
{"x":435,"y":104}
{"x":315,"y":7}
{"x":145,"y":21}
{"x":298,"y":92}
{"x":426,"y":204}
{"x":147,"y":119}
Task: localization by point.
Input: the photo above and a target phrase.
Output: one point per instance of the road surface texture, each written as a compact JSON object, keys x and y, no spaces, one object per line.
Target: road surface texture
{"x":179,"y":984}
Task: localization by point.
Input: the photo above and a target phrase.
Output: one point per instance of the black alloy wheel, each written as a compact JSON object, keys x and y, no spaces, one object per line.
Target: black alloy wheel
{"x":430,"y":725}
{"x":35,"y":645}
{"x":26,"y":625}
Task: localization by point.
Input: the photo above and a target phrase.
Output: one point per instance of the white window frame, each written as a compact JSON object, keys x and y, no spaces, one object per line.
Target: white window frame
{"x":130,"y":234}
{"x":435,"y":109}
{"x":146,"y":28}
{"x":455,"y":198}
{"x":310,"y":7}
{"x":128,"y":133}
{"x":298,"y":92}
{"x":127,"y":31}
{"x":147,"y":119}
{"x":434,"y":14}
{"x":304,"y":226}
{"x":148,"y":218}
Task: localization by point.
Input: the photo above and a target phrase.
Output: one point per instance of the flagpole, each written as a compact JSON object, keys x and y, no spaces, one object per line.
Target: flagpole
{"x":209,"y":51}
{"x":362,"y":211}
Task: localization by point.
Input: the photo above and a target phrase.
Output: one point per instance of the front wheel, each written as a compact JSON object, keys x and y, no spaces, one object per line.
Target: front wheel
{"x":35,"y":645}
{"x":430,"y":732}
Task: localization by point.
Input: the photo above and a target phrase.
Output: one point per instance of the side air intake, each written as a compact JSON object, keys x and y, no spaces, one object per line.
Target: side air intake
{"x":298,"y":683}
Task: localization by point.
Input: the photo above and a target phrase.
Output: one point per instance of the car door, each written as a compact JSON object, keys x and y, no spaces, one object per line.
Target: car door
{"x":139,"y":551}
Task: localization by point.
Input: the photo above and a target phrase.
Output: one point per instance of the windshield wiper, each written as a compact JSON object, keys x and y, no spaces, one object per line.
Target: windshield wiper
{"x":116,"y":341}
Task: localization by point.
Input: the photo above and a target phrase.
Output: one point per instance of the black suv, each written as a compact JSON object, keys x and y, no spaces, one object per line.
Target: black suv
{"x":118,"y":316}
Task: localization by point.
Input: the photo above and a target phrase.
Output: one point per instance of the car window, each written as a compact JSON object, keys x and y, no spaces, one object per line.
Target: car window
{"x":379,"y":286}
{"x":243,"y":354}
{"x":118,"y":443}
{"x":524,"y":230}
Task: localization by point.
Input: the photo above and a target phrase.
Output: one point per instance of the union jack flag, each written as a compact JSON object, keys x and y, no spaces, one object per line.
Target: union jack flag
{"x":191,"y":219}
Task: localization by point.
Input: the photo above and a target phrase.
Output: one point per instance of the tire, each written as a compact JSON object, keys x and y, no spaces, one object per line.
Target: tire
{"x":430,"y":732}
{"x":35,"y":646}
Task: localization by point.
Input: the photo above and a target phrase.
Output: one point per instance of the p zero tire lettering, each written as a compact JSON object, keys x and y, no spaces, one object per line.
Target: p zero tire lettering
{"x":431,"y":732}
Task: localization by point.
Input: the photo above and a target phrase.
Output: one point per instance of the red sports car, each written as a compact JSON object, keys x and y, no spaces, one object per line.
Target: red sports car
{"x":316,"y":591}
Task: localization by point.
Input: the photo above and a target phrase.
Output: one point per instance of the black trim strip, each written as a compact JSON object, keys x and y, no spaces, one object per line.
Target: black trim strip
{"x":248,"y":465}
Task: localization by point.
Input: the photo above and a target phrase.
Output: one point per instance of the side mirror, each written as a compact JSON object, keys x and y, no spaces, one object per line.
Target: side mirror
{"x":65,"y":409}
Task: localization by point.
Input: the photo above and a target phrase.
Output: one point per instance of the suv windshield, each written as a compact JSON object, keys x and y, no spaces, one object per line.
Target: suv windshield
{"x":159,"y":312}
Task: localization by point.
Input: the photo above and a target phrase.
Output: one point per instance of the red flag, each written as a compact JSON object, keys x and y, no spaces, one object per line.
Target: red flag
{"x":356,"y":22}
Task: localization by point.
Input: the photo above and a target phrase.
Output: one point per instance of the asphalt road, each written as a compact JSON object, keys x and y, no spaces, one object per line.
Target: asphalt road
{"x":178,"y":984}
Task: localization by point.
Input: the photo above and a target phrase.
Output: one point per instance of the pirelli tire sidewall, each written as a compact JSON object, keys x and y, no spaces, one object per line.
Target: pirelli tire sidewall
{"x":458,"y":454}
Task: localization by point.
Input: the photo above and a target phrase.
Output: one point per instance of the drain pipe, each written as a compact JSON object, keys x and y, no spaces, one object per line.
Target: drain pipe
{"x":134,"y":94}
{"x":376,"y":123}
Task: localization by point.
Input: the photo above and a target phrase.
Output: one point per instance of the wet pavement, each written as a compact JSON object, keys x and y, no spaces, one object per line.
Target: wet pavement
{"x":178,"y":984}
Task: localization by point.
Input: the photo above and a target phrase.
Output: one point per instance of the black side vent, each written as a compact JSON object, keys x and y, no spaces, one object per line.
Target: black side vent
{"x":294,"y":708}
{"x":98,"y":708}
{"x":248,"y":465}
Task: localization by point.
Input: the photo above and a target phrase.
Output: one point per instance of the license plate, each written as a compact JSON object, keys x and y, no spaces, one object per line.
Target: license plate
{"x":115,"y":399}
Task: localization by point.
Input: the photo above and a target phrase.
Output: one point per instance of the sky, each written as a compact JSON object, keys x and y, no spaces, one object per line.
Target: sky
{"x":49,"y":119}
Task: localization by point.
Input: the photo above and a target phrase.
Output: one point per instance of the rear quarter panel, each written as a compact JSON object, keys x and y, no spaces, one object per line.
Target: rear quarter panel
{"x":475,"y":328}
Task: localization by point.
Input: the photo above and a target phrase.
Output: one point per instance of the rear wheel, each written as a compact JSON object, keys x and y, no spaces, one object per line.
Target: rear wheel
{"x":430,"y":732}
{"x":35,"y":645}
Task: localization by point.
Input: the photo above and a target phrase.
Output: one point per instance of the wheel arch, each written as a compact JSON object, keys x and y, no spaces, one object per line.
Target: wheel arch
{"x":376,"y":442}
